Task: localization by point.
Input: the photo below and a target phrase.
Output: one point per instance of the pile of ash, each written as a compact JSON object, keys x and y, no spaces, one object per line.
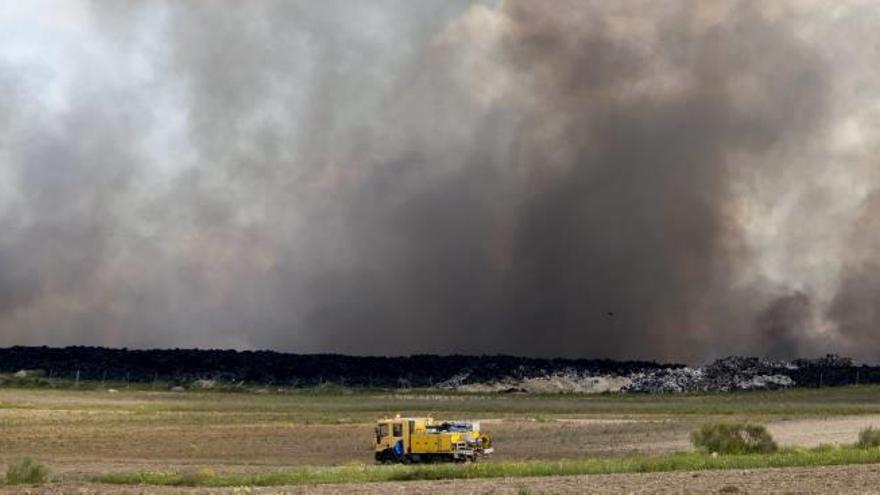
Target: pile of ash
{"x":751,"y":373}
{"x":724,"y":375}
{"x":542,"y":382}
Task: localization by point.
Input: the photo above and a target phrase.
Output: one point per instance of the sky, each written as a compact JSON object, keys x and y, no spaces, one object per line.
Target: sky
{"x":675,"y":181}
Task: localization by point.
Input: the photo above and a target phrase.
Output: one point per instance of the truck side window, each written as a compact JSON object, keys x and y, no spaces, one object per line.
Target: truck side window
{"x":398,"y":429}
{"x":383,"y":430}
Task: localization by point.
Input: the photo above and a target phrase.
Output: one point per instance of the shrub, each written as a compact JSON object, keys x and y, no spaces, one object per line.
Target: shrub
{"x":27,"y":472}
{"x":733,"y":438}
{"x":869,"y":437}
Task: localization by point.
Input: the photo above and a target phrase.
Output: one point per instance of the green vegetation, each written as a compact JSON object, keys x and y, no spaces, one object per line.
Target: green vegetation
{"x":868,"y":438}
{"x":733,"y":438}
{"x":27,"y":472}
{"x":694,"y":461}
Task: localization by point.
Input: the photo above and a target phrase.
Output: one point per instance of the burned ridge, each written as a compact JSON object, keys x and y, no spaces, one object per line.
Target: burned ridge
{"x":457,"y":372}
{"x":298,"y":370}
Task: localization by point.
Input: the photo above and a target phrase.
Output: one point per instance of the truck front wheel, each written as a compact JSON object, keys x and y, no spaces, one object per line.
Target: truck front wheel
{"x":386,"y":456}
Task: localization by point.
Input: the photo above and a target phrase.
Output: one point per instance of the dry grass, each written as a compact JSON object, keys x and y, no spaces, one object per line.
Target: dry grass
{"x":733,"y":438}
{"x":869,"y":437}
{"x":27,"y":471}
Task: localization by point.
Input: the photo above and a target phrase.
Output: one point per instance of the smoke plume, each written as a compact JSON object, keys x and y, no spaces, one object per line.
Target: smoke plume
{"x":678,"y":180}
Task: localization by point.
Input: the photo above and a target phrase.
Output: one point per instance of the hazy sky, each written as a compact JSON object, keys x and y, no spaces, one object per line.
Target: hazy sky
{"x":668,"y":180}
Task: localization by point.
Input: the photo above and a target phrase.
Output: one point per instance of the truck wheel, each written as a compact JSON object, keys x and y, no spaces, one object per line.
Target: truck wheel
{"x":385,"y":457}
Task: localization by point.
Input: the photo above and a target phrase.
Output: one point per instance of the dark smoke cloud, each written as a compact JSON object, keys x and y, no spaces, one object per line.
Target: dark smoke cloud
{"x":783,"y":324}
{"x":564,"y":178}
{"x":856,"y":305}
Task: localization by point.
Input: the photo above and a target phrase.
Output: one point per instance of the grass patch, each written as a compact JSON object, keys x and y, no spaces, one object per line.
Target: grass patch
{"x":733,"y":438}
{"x":316,"y":407}
{"x":694,"y":461}
{"x":868,"y":438}
{"x":27,"y":472}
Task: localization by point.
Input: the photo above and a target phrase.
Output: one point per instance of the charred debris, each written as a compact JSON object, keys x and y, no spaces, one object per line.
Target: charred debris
{"x":182,"y":367}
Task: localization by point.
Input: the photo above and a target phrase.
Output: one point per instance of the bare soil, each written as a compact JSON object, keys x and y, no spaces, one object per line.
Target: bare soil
{"x":860,"y":479}
{"x":100,"y":439}
{"x":810,"y":432}
{"x":817,"y":431}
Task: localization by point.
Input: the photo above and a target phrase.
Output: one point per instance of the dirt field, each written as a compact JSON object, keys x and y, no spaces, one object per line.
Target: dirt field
{"x":91,"y":431}
{"x":820,"y":480}
{"x":83,"y":433}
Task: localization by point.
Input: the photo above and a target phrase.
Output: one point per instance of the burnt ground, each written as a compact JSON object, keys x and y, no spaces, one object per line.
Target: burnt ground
{"x":227,"y":368}
{"x":182,"y":366}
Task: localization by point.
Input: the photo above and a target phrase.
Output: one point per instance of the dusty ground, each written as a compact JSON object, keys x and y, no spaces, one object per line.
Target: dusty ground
{"x":811,"y":432}
{"x":82,"y":433}
{"x":93,"y":432}
{"x":814,"y":432}
{"x":820,"y":480}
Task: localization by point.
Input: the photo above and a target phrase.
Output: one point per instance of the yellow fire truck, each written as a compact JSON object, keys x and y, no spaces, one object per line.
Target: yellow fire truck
{"x":411,"y":440}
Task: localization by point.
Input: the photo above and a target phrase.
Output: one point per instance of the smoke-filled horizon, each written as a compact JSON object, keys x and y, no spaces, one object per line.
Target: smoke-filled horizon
{"x":654,"y":180}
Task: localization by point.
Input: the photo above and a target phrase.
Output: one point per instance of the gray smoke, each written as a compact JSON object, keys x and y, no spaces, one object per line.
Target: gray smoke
{"x":856,"y":305}
{"x":783,"y":325}
{"x":676,"y":180}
